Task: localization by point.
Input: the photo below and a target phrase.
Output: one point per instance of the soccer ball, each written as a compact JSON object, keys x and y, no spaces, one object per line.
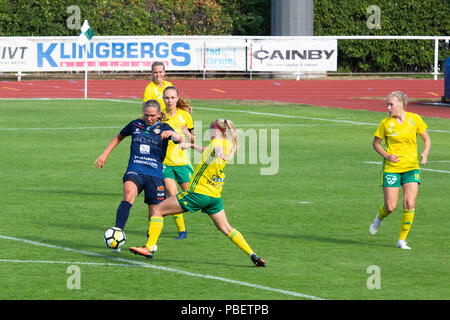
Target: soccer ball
{"x":114,"y":238}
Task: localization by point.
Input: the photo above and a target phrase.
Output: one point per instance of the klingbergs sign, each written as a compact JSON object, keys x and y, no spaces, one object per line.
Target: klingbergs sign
{"x":104,"y":53}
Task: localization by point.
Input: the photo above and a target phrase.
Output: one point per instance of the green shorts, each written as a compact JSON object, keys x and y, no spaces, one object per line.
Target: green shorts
{"x":180,"y":174}
{"x":390,"y":179}
{"x":192,"y":202}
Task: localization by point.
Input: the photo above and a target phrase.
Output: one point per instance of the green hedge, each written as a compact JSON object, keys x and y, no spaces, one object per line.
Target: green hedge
{"x":137,"y":17}
{"x":114,"y":17}
{"x":250,"y":17}
{"x":397,"y":17}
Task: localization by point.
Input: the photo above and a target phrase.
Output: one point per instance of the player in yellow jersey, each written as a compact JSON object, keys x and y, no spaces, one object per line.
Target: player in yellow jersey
{"x":400,"y":162}
{"x":177,"y":166}
{"x":204,"y":191}
{"x":154,"y":90}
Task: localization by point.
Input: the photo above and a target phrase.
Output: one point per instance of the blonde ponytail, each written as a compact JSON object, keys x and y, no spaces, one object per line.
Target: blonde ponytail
{"x":230,"y":133}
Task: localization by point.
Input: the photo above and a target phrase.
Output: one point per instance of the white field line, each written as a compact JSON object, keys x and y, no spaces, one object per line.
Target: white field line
{"x":257,"y":125}
{"x":261,"y":113}
{"x":70,"y":262}
{"x":250,"y":112}
{"x":424,"y":169}
{"x":128,"y":262}
{"x":283,"y":116}
{"x":68,"y":128}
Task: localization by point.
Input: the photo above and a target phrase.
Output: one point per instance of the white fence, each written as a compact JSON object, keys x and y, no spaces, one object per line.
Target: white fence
{"x":435,"y":39}
{"x":289,"y":55}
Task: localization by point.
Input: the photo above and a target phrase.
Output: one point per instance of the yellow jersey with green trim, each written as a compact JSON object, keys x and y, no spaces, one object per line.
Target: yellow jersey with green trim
{"x":154,"y":92}
{"x":209,"y":175}
{"x":175,"y":156}
{"x":401,"y":139}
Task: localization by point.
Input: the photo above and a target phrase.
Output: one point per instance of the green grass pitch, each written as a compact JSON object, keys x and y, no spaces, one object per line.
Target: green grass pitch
{"x":308,"y":219}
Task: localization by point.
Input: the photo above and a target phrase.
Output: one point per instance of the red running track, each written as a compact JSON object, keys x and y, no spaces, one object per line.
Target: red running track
{"x":351,"y":94}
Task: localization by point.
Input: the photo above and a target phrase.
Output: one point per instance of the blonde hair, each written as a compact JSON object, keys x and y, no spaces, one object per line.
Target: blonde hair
{"x":400,"y":96}
{"x":154,"y":104}
{"x":228,"y":131}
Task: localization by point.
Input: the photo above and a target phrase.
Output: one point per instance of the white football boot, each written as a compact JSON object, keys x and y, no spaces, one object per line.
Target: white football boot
{"x":402,"y":244}
{"x":376,"y":223}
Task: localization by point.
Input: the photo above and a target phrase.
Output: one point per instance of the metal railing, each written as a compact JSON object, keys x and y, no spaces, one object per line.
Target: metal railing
{"x":436,"y":39}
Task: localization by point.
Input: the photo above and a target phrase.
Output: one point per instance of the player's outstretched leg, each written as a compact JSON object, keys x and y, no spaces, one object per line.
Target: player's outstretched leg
{"x":142,"y":251}
{"x":221,"y":222}
{"x":259,"y":262}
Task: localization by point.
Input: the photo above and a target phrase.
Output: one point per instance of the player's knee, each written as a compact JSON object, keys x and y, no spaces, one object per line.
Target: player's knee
{"x":225,"y":228}
{"x":129,"y":198}
{"x":390,"y":207}
{"x":409,"y":204}
{"x":157,"y":212}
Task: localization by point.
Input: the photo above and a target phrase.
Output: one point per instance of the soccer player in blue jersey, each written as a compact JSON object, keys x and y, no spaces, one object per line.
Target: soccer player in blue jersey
{"x":149,"y":140}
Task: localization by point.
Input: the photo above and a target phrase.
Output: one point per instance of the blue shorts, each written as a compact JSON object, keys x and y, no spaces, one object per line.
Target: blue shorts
{"x":154,"y":189}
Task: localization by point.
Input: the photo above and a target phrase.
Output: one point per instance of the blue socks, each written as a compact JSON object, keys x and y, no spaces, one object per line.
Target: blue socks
{"x":122,"y":214}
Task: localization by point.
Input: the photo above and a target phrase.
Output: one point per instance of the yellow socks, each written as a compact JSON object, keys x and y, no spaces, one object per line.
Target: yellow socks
{"x":154,"y":230}
{"x":382,"y":213}
{"x":407,"y":220}
{"x":239,"y":240}
{"x":179,"y":221}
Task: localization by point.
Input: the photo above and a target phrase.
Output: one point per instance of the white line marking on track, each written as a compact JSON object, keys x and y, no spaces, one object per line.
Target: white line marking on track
{"x":161,"y":268}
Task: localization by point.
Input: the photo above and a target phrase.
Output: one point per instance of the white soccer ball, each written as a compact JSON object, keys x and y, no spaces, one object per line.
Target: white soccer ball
{"x":114,"y":238}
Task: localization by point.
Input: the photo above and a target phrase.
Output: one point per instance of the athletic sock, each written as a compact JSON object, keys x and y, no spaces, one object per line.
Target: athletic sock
{"x":382,"y":213}
{"x":123,"y":211}
{"x":154,"y":230}
{"x":239,"y":240}
{"x":179,"y":221}
{"x":407,"y":220}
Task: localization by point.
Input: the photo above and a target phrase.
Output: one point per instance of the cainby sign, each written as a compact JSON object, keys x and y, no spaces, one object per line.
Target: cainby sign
{"x":293,"y":55}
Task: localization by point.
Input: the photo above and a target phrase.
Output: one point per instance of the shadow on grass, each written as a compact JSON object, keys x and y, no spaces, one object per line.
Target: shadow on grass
{"x":323,"y":238}
{"x":105,"y":254}
{"x":119,"y":195}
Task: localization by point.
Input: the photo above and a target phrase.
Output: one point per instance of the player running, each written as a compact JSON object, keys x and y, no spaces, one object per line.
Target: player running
{"x":400,"y":164}
{"x":204,"y":192}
